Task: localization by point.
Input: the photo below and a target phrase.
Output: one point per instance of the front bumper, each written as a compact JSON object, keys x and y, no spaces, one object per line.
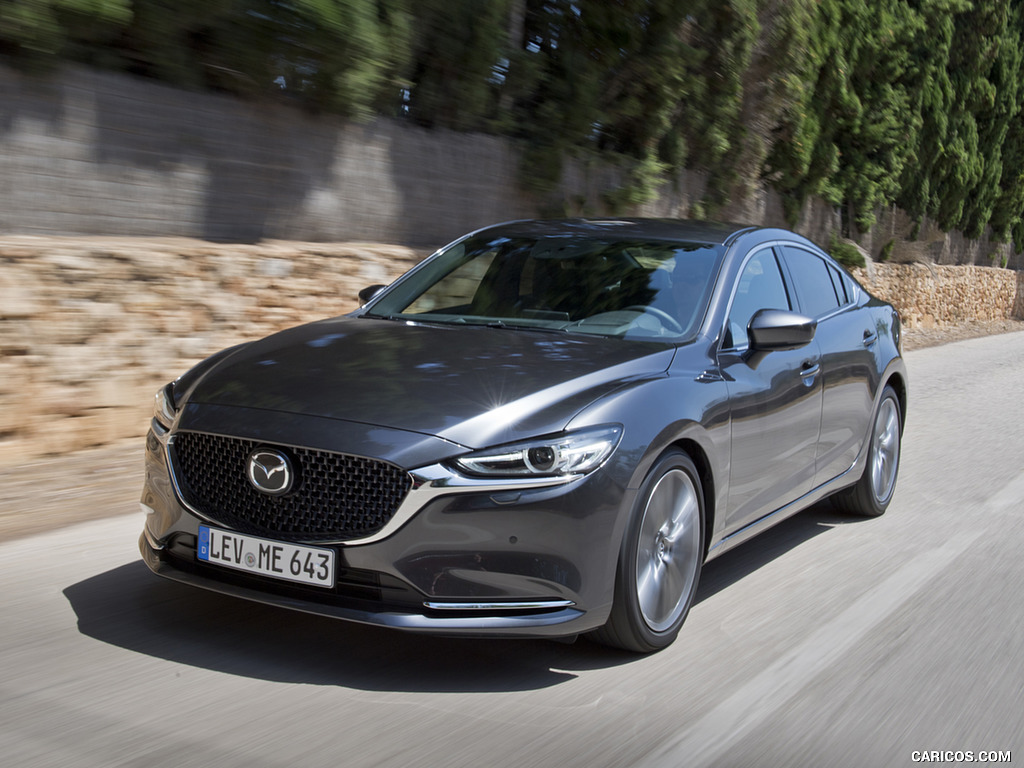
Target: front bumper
{"x":460,"y":558}
{"x":530,"y":618}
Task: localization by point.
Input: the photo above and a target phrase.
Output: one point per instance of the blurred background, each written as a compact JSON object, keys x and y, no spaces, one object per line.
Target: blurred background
{"x":179,"y":176}
{"x":410,"y":122}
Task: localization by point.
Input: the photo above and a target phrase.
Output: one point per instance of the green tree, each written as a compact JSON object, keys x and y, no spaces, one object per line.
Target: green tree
{"x":932,"y":98}
{"x":460,"y":60}
{"x":860,"y":102}
{"x":654,"y":83}
{"x":850,"y":136}
{"x":37,"y":30}
{"x":989,"y":46}
{"x":333,"y":55}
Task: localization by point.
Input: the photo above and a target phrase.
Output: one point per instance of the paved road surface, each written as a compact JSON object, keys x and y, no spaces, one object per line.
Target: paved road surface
{"x":827,"y":641}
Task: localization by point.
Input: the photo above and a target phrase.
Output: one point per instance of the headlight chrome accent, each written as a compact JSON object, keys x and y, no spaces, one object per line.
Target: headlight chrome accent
{"x":570,"y":453}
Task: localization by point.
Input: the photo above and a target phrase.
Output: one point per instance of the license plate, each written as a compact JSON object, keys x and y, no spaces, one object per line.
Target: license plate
{"x":276,"y":559}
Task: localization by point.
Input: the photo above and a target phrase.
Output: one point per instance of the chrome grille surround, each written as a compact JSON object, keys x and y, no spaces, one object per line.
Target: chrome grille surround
{"x":336,"y":497}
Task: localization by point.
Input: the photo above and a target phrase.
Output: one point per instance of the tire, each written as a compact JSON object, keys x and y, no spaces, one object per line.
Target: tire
{"x":659,"y":560}
{"x":871,"y":495}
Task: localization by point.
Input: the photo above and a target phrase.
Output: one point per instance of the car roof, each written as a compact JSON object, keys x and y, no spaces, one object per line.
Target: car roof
{"x":711,"y":233}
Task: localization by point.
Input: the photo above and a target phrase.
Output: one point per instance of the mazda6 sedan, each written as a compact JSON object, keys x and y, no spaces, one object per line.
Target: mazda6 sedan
{"x":544,"y":429}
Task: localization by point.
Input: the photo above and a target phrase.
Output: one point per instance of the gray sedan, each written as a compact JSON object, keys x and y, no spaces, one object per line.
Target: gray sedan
{"x":544,"y":429}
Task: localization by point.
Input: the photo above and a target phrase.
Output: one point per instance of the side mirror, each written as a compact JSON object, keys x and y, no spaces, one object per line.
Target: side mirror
{"x":773,"y":329}
{"x":369,"y":292}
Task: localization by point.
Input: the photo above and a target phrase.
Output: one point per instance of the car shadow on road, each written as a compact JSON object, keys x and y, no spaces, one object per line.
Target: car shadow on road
{"x":769,"y":545}
{"x":131,"y":608}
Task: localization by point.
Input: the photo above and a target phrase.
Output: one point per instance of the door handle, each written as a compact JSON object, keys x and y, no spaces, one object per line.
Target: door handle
{"x":870,"y":337}
{"x":808,"y":371}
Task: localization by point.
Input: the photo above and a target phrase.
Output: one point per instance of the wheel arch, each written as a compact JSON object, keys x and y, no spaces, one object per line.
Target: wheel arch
{"x":701,"y":460}
{"x":899,"y":384}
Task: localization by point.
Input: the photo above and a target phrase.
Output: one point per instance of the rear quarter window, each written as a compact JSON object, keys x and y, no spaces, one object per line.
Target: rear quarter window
{"x":840,"y":285}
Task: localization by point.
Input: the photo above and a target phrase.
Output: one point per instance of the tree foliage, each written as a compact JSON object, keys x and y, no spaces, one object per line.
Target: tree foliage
{"x":864,"y":103}
{"x":33,"y":30}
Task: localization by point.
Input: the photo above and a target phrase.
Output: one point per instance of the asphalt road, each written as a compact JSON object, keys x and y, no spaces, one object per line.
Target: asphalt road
{"x":828,"y":641}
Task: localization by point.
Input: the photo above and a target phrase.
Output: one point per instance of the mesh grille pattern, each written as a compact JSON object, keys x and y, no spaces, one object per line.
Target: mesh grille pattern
{"x":335,"y":496}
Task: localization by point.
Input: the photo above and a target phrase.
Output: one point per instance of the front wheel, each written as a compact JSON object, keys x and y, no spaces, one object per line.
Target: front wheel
{"x":659,"y":560}
{"x":871,"y":495}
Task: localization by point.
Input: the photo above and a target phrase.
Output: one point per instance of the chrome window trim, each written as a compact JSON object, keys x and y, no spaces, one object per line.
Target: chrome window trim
{"x":829,"y":261}
{"x":768,"y":246}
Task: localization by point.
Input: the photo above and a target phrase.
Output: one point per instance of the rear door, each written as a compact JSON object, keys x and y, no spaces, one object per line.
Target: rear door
{"x":847,"y":341}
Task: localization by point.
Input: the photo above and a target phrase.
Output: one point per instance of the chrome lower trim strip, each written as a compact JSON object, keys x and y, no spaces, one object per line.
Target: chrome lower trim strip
{"x":536,"y":605}
{"x":153,"y":542}
{"x":545,"y":624}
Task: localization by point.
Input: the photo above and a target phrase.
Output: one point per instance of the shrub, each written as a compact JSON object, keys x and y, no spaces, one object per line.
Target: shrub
{"x":846,"y":253}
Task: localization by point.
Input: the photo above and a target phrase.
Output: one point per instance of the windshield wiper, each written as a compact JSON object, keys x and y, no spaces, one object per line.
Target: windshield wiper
{"x":416,"y":319}
{"x":521,"y":326}
{"x":495,"y":322}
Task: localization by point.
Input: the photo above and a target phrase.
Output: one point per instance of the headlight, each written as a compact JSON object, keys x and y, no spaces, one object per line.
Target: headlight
{"x":571,"y":453}
{"x":163,"y":406}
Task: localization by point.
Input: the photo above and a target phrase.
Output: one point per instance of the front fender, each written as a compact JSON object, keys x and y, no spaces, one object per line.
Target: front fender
{"x":678,"y":409}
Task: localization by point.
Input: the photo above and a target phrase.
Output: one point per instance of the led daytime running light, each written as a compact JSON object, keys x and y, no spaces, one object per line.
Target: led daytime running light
{"x":573,"y":453}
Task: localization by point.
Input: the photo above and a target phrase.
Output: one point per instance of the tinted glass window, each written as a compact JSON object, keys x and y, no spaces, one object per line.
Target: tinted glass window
{"x":851,"y":286}
{"x":610,"y":287}
{"x":457,"y":290}
{"x":760,"y":287}
{"x":813,"y":283}
{"x":839,"y":284}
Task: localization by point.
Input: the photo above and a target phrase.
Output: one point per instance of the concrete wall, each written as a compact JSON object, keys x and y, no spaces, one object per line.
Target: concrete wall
{"x":93,"y":153}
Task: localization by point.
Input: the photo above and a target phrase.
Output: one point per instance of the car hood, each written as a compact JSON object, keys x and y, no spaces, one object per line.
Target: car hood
{"x":471,"y":385}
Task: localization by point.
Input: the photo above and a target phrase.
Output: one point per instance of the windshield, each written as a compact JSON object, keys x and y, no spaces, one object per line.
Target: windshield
{"x":623,"y":288}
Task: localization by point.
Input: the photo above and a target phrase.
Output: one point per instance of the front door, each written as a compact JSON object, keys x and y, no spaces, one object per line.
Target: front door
{"x":776,"y":400}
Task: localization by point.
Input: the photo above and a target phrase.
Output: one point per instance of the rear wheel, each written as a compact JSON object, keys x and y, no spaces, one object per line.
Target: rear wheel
{"x":660,"y":558}
{"x":871,"y":495}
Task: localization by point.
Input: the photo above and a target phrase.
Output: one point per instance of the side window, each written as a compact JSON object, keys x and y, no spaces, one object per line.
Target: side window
{"x":760,"y":286}
{"x":840,"y":285}
{"x":812,"y":280}
{"x":851,"y":287}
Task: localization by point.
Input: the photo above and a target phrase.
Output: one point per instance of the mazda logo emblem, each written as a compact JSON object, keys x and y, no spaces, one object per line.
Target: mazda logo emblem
{"x":270,"y":471}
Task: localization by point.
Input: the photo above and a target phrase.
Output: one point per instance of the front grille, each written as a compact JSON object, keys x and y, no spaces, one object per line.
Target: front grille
{"x":335,"y":496}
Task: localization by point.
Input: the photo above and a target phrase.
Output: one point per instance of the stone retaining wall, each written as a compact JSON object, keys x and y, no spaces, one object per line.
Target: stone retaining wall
{"x":930,"y":295}
{"x":90,"y":327}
